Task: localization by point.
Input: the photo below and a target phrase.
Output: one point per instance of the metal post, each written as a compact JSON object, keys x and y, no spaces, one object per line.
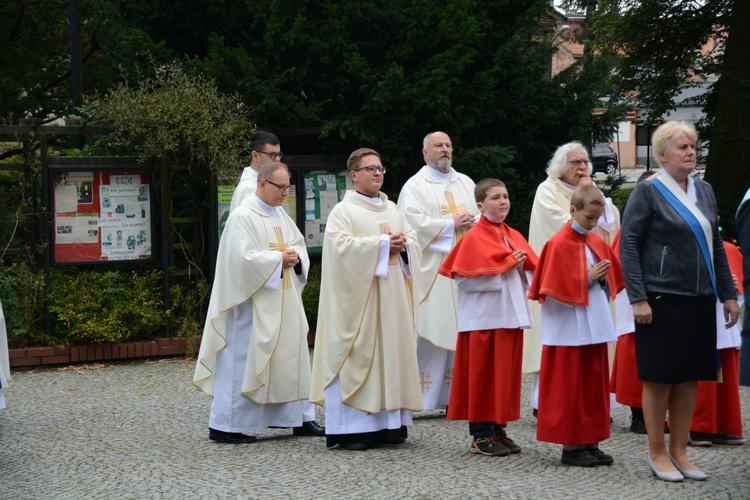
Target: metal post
{"x":75,"y":61}
{"x":166,"y":248}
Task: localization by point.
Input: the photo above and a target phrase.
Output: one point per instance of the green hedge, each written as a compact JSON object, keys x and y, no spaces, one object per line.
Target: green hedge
{"x":91,"y":307}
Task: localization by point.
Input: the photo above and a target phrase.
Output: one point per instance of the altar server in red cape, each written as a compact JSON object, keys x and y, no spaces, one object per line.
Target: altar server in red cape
{"x":717,"y":418}
{"x":492,"y":267}
{"x":576,"y":276}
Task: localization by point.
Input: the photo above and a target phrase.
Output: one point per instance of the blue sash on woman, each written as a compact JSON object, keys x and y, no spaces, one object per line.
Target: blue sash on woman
{"x":694,"y":225}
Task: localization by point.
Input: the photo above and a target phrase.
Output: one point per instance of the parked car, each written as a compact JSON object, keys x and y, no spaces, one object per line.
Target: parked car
{"x":604,"y":158}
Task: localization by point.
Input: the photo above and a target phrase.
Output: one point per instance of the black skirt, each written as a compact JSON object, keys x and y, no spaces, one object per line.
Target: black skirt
{"x":680,"y":343}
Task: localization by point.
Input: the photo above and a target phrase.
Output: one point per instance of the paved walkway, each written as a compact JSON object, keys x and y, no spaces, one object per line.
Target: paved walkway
{"x":139,"y":430}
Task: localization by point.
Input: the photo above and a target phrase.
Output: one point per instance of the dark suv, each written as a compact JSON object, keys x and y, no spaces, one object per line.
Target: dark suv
{"x":604,"y":158}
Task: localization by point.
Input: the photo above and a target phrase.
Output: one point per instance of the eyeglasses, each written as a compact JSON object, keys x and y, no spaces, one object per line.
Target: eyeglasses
{"x":578,"y":163}
{"x":273,"y":156}
{"x":281,"y":188}
{"x":371,"y":170}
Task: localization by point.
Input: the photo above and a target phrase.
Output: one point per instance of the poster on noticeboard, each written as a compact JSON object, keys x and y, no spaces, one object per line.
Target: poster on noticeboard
{"x":323,"y":190}
{"x":102,"y":215}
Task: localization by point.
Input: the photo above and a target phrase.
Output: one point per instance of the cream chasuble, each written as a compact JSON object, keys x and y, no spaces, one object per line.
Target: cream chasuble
{"x":277,"y":369}
{"x":366,"y":324}
{"x":549,"y":213}
{"x":428,"y":205}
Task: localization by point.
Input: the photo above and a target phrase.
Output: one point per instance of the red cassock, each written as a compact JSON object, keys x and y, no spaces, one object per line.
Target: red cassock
{"x":624,"y":382}
{"x":717,"y":407}
{"x":573,"y":380}
{"x":486,"y":382}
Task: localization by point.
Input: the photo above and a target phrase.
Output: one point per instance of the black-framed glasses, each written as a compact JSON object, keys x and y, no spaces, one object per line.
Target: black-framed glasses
{"x":281,"y":188}
{"x":273,"y":156}
{"x":371,"y":170}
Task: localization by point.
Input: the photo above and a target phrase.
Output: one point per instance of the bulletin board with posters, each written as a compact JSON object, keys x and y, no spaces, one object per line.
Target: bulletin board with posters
{"x":323,"y":190}
{"x":101,"y":214}
{"x":224,"y":199}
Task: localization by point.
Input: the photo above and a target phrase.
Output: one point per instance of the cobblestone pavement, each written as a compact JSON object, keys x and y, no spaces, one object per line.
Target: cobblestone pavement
{"x":140,"y":430}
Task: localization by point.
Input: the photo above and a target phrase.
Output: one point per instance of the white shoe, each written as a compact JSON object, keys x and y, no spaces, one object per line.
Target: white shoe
{"x":672,"y":476}
{"x":695,"y":474}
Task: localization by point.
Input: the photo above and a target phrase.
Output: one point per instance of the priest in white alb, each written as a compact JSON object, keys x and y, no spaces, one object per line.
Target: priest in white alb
{"x":439,"y":204}
{"x":254,"y":358}
{"x":365,"y":364}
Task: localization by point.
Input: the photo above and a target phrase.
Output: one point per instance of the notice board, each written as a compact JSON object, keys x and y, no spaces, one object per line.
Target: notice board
{"x":323,"y":190}
{"x":101,"y":214}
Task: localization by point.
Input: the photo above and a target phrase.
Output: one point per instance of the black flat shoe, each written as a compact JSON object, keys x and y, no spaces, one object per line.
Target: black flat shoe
{"x":230,"y":437}
{"x":603,"y":458}
{"x":579,"y":458}
{"x":310,"y":428}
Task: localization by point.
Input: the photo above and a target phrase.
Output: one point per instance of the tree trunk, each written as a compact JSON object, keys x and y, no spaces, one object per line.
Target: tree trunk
{"x":728,"y":164}
{"x":588,"y":32}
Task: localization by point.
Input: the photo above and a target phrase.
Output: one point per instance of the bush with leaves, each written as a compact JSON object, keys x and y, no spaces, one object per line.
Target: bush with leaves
{"x":113,"y":306}
{"x":176,"y":120}
{"x":22,"y":296}
{"x":189,"y":300}
{"x":311,"y":294}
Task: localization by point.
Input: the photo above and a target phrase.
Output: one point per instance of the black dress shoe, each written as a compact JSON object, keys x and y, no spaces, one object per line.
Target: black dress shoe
{"x":230,"y":437}
{"x":310,"y":428}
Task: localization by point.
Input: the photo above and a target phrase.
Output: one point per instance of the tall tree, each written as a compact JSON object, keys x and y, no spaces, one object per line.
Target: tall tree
{"x":35,"y":71}
{"x":384,"y":73}
{"x":374,"y":72}
{"x":658,"y":47}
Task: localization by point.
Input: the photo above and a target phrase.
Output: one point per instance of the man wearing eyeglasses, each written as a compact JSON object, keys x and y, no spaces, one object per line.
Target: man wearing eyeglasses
{"x":254,"y":359}
{"x":264,"y":148}
{"x":365,"y":364}
{"x":439,"y":204}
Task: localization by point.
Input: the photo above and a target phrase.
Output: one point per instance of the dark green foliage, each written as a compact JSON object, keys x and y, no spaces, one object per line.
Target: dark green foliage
{"x":311,"y":293}
{"x":92,"y":306}
{"x":383,"y":74}
{"x":35,"y":72}
{"x":22,"y":296}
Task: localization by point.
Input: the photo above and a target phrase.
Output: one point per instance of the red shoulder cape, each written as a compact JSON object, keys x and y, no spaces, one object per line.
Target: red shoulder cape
{"x":483,"y":250}
{"x":562,"y":272}
{"x":735,"y":264}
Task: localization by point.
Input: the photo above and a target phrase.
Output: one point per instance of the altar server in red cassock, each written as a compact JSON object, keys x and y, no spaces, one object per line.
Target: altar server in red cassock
{"x":492,"y":267}
{"x":717,"y":418}
{"x":577,"y":274}
{"x":624,"y":382}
